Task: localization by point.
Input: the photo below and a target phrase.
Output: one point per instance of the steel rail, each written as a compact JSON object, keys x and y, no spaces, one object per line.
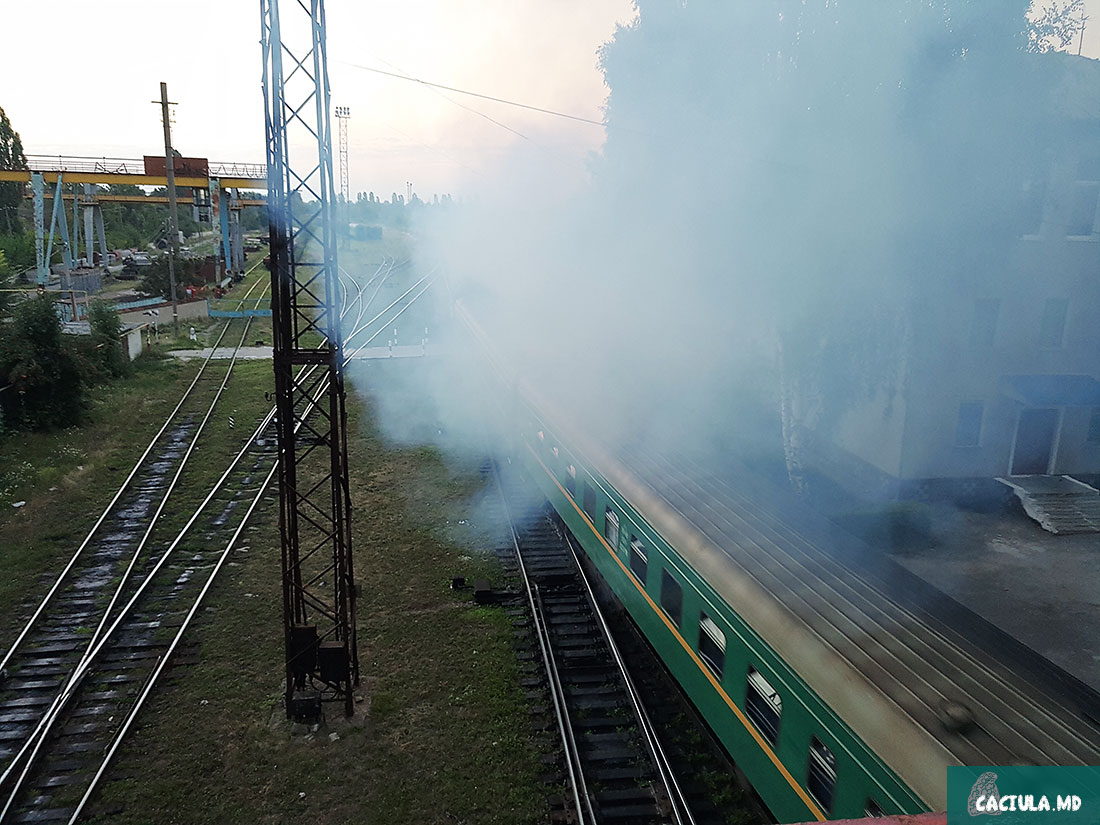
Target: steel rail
{"x":150,"y":683}
{"x":137,"y":466}
{"x":399,"y":313}
{"x":392,"y":304}
{"x":147,"y":688}
{"x":681,"y":811}
{"x":45,"y":724}
{"x":61,"y":701}
{"x":385,"y":277}
{"x":561,"y":713}
{"x":110,"y":506}
{"x":78,"y":674}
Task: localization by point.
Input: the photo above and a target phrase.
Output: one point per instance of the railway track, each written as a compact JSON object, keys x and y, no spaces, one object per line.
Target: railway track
{"x":77,"y":675}
{"x":90,"y":642}
{"x":612,"y":765}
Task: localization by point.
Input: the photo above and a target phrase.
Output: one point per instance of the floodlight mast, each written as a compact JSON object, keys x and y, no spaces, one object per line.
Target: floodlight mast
{"x":315,"y":502}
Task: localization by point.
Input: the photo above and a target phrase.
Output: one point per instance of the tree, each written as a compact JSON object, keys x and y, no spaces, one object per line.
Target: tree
{"x":106,"y":338}
{"x":157,"y":282}
{"x":827,"y":171}
{"x":5,"y":283}
{"x":1055,"y":25}
{"x":42,"y":384}
{"x":11,"y":194}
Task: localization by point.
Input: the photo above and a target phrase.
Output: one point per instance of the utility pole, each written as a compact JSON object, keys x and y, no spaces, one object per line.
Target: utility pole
{"x":173,"y":215}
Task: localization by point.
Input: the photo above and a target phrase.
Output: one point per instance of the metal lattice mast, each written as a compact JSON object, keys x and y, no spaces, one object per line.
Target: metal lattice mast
{"x":314,"y":518}
{"x":343,"y":114}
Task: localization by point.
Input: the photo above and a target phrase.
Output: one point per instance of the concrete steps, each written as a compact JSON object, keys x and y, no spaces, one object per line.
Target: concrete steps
{"x":1060,"y":504}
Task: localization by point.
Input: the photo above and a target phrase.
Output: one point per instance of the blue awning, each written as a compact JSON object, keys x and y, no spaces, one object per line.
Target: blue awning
{"x":1055,"y":390}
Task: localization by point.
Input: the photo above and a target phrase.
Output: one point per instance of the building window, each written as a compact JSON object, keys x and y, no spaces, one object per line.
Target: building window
{"x":1094,"y":426}
{"x":571,"y":480}
{"x":763,"y":705}
{"x":1081,"y":220}
{"x":590,"y":501}
{"x":672,"y":597}
{"x":821,"y":775}
{"x":611,"y":528}
{"x":983,"y":326}
{"x":712,"y":644}
{"x":1054,"y":322}
{"x":968,"y":430}
{"x":1033,"y":205}
{"x":639,"y":564}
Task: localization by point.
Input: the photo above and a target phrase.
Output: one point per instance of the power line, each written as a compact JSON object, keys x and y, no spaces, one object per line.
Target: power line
{"x":539,"y":109}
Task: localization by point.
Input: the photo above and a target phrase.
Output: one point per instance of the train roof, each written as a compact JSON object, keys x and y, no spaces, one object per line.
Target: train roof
{"x":920,"y":679}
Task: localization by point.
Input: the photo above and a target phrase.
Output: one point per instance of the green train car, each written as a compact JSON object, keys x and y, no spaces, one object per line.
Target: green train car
{"x":834,"y":699}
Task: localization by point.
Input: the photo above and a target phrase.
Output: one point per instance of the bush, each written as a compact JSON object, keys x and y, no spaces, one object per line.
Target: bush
{"x":106,"y":340}
{"x":156,"y":282}
{"x":43,"y":387}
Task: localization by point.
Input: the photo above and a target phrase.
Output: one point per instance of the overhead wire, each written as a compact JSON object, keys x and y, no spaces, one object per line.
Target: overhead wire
{"x":456,"y":90}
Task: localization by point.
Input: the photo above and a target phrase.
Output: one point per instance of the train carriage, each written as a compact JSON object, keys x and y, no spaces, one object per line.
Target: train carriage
{"x":836,"y":698}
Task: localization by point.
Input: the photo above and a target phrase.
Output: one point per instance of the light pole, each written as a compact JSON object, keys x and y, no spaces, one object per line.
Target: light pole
{"x":343,"y":114}
{"x":173,"y":215}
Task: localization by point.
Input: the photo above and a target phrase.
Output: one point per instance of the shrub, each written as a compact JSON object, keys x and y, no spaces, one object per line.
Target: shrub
{"x":42,"y":383}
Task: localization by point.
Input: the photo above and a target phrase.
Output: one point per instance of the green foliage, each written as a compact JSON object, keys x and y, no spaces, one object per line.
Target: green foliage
{"x":6,"y":282}
{"x":1055,"y":25}
{"x":156,"y":280}
{"x":41,"y":384}
{"x":11,"y":157}
{"x":18,"y":248}
{"x":107,"y":344}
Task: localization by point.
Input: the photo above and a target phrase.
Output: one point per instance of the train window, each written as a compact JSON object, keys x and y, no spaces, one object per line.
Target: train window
{"x":571,"y":480}
{"x":821,"y":774}
{"x":763,"y":705}
{"x":712,"y":644}
{"x":590,"y":501}
{"x":611,"y":528}
{"x":872,"y":809}
{"x":672,"y":597}
{"x":639,"y":564}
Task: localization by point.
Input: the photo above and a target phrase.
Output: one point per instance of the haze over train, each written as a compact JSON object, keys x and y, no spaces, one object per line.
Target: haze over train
{"x":775,"y":218}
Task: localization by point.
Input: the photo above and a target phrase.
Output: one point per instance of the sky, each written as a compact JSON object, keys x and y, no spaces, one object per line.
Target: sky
{"x":91,"y":71}
{"x":97,"y":67}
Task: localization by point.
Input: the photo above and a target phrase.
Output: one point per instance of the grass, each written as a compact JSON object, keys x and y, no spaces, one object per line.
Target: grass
{"x":442,"y":735}
{"x":66,"y":478}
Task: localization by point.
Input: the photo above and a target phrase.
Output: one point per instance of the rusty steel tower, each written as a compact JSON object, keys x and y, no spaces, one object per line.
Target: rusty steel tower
{"x":322,"y":660}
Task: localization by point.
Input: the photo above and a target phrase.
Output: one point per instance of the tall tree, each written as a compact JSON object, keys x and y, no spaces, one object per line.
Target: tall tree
{"x":11,"y":194}
{"x":825,"y":167}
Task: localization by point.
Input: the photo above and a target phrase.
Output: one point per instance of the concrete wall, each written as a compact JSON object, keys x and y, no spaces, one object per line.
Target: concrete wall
{"x":132,"y":343}
{"x":192,"y":309}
